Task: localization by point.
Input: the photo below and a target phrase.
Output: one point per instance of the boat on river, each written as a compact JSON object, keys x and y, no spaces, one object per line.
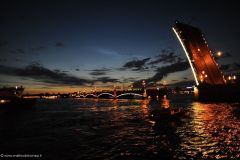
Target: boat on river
{"x":11,"y":92}
{"x":11,"y":97}
{"x":167,"y":114}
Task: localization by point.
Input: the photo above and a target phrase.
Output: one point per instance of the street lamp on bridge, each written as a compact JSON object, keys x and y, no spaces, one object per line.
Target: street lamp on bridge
{"x":219,"y":54}
{"x":143,"y":83}
{"x":144,"y":89}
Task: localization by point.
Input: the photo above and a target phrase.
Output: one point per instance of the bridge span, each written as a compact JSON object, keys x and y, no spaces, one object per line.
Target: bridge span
{"x":210,"y":82}
{"x":110,"y":95}
{"x":204,"y":68}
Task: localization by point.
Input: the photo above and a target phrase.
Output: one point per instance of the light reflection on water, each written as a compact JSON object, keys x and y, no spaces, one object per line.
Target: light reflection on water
{"x":122,"y":129}
{"x":212,"y":133}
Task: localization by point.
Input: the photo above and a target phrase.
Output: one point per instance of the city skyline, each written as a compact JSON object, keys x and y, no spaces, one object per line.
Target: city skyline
{"x":67,"y":46}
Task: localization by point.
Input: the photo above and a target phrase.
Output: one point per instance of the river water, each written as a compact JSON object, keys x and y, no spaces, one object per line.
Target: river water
{"x":121,"y":129}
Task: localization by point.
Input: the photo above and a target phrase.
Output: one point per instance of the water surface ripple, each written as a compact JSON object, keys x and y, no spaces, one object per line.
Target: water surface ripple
{"x":121,"y":129}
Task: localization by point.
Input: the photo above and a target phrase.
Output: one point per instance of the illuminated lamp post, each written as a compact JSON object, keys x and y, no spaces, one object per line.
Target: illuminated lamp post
{"x":230,"y":79}
{"x":234,"y":77}
{"x":115,"y":91}
{"x":144,"y":89}
{"x":164,"y":83}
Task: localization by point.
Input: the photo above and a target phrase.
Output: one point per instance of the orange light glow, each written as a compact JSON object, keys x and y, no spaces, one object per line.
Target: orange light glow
{"x":219,"y":54}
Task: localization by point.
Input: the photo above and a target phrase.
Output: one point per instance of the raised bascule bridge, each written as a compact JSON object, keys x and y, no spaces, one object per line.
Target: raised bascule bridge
{"x":210,"y":82}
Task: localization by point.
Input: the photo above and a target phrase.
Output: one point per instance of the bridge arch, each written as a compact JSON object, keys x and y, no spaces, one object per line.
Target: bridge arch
{"x":105,"y":94}
{"x":81,"y":96}
{"x":90,"y":96}
{"x":130,"y":94}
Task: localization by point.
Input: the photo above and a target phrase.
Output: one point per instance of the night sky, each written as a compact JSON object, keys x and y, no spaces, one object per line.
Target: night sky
{"x":65,"y":46}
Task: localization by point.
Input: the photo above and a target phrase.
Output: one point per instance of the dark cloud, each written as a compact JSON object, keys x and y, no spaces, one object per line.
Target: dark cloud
{"x":3,"y":60}
{"x":99,"y":72}
{"x":131,"y":79}
{"x":166,"y":56}
{"x":184,"y":83}
{"x":77,"y":69}
{"x":106,"y":80}
{"x":142,"y":69}
{"x":225,"y":67}
{"x":227,"y":54}
{"x":164,"y":71}
{"x":12,"y":51}
{"x":20,"y":50}
{"x":37,"y":49}
{"x":121,"y":69}
{"x":136,"y":65}
{"x":19,"y":60}
{"x":59,"y":44}
{"x":57,"y":70}
{"x":235,"y":67}
{"x":60,"y":71}
{"x":42,"y":74}
{"x":3,"y":43}
{"x":39,"y":73}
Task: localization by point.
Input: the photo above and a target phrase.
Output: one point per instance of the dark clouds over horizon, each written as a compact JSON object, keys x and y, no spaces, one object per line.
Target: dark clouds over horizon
{"x":100,"y":72}
{"x":136,"y":64}
{"x":40,"y":73}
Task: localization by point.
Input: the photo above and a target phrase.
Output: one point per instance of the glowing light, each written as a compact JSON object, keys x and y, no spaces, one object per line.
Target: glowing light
{"x":143,"y":83}
{"x":196,"y":92}
{"x":198,"y":50}
{"x":206,"y":75}
{"x":229,"y":78}
{"x":219,"y":54}
{"x":164,"y":82}
{"x":203,"y":72}
{"x":3,"y":101}
{"x":165,"y":102}
{"x":189,"y":60}
{"x":234,"y":77}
